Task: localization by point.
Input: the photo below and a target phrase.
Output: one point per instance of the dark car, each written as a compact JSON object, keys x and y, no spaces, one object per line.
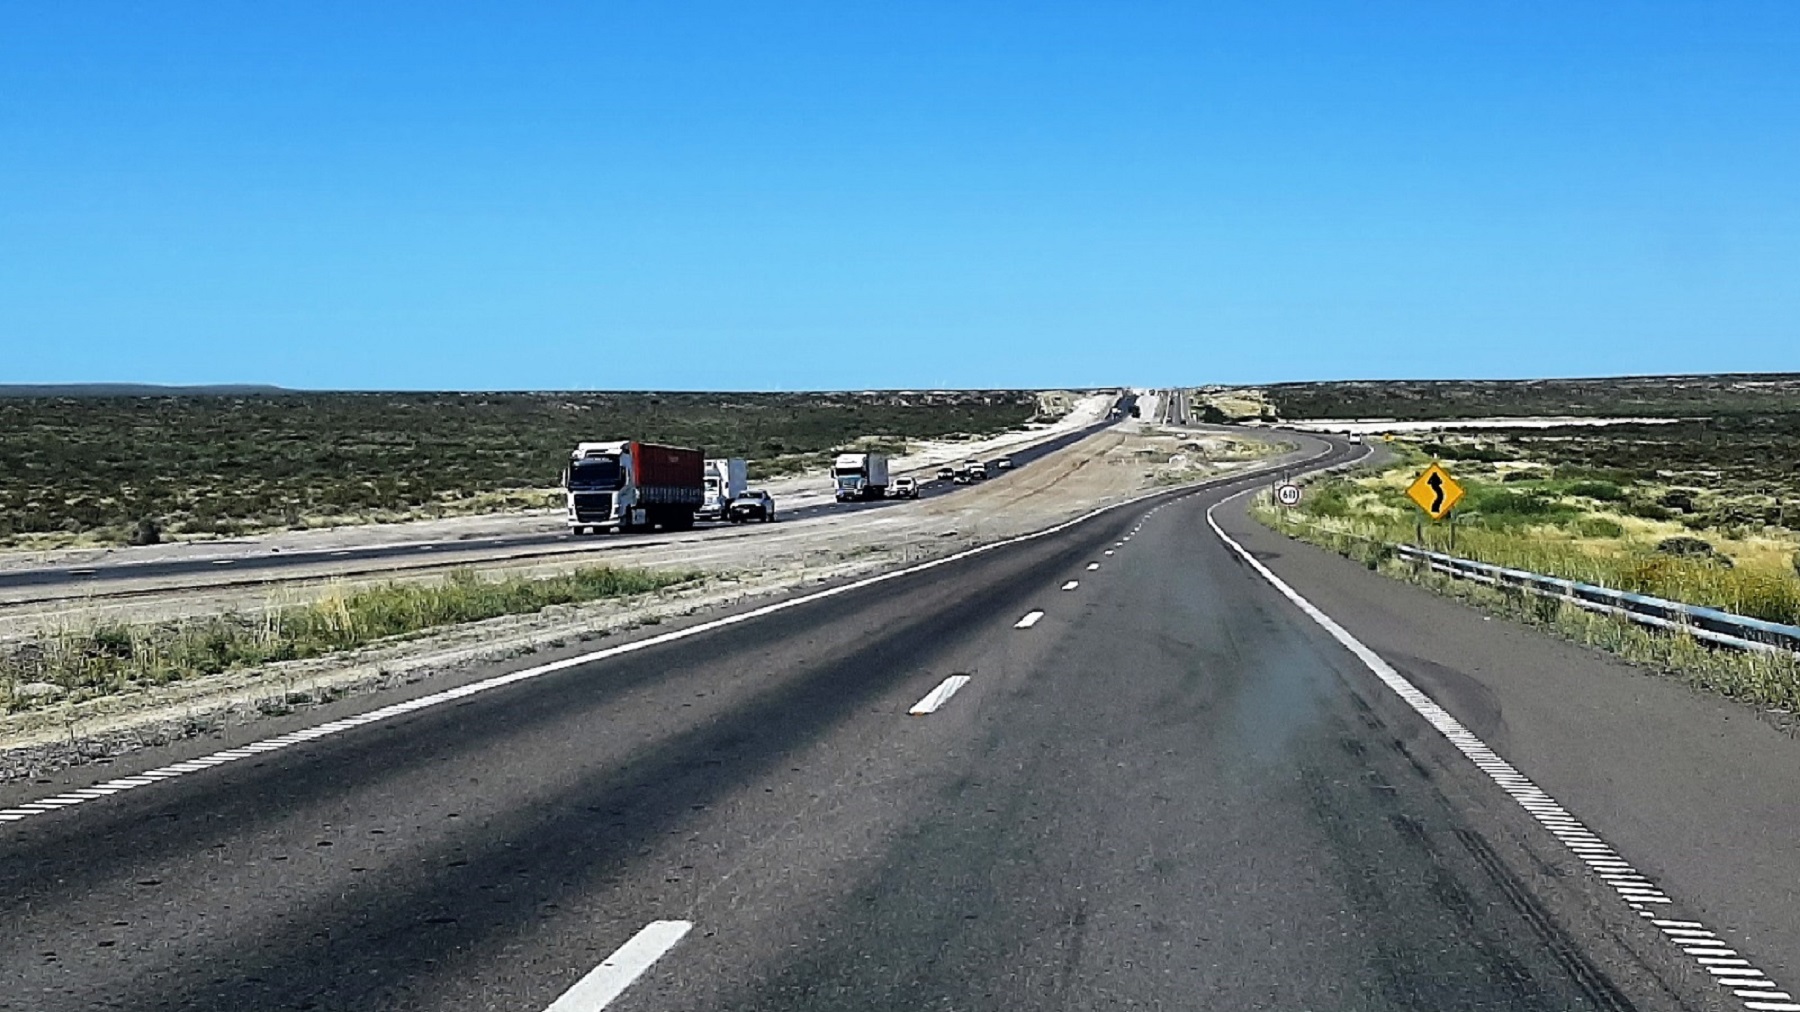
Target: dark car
{"x":753,"y":505}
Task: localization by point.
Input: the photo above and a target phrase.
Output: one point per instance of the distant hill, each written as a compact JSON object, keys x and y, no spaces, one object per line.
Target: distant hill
{"x":135,"y":390}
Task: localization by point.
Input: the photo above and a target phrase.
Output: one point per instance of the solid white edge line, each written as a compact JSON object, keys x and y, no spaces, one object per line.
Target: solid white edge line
{"x":400,"y":709}
{"x":1522,"y":790}
{"x":618,"y":971}
{"x":939,"y":696}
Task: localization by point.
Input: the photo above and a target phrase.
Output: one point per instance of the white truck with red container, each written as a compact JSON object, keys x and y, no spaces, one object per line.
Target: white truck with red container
{"x":631,"y":485}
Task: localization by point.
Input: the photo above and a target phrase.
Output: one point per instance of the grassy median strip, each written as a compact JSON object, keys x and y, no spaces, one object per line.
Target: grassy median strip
{"x":1572,"y":528}
{"x":108,"y":659}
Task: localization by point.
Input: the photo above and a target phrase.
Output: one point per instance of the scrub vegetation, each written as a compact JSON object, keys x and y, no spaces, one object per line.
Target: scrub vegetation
{"x":109,"y":659}
{"x":1703,"y":512}
{"x":1700,"y":396}
{"x":142,"y":469}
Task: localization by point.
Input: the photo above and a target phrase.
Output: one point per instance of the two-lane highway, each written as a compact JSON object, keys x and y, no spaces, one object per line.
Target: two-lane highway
{"x":1108,"y":766}
{"x":271,"y":563}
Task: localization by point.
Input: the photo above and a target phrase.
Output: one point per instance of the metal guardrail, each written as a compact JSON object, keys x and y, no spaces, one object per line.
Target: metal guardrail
{"x":1708,"y":624}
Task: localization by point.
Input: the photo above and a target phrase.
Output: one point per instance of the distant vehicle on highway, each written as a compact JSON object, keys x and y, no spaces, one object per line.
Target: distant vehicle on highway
{"x":946,"y":474}
{"x":903,"y":488}
{"x":859,"y":476}
{"x":1003,"y":464}
{"x":726,"y":479}
{"x":1355,"y":437}
{"x":625,"y":485}
{"x":971,"y":470}
{"x":755,"y":504}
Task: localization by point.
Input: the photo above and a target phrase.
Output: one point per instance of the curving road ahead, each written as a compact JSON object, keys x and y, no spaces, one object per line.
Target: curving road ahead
{"x":1109,"y":766}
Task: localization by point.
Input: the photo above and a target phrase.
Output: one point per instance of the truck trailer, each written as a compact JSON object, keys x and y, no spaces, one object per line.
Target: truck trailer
{"x":859,"y":476}
{"x":630,"y":485}
{"x":726,"y":479}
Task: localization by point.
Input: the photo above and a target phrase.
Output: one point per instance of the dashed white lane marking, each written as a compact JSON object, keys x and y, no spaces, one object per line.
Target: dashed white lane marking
{"x":939,"y":696}
{"x":1093,"y":566}
{"x":164,"y":773}
{"x":1030,"y":619}
{"x":336,"y":554}
{"x":1109,"y":551}
{"x":1072,"y":584}
{"x":617,"y":972}
{"x":1634,"y":888}
{"x":223,"y":562}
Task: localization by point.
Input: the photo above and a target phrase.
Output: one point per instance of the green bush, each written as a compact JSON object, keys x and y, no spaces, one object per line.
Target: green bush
{"x":1598,"y":527}
{"x":1678,"y":499}
{"x":1605,"y":491}
{"x":1692,"y":548}
{"x":1327,"y":499}
{"x":1506,"y":507}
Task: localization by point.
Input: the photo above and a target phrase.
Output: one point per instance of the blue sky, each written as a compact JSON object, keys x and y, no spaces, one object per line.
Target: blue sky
{"x":845,"y":195}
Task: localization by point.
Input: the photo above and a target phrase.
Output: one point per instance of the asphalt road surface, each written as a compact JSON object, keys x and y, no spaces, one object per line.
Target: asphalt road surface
{"x":1106,"y":767}
{"x":89,"y":575}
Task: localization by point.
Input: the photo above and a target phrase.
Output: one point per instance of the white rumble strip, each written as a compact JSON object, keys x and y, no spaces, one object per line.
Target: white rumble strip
{"x":1708,"y":949}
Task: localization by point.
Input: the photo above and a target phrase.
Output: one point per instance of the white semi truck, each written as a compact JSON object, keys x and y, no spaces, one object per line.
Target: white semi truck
{"x":726,"y":479}
{"x":860,"y":476}
{"x":631,"y":485}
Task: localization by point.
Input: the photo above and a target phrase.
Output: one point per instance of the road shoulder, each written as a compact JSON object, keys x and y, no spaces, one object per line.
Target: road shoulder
{"x":1696,"y":790}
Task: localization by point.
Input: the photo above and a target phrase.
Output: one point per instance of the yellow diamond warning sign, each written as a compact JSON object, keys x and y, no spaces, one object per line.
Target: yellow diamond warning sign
{"x":1435,"y":492}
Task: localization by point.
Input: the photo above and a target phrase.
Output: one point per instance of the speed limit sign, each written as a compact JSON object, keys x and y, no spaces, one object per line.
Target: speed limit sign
{"x":1288,"y":495}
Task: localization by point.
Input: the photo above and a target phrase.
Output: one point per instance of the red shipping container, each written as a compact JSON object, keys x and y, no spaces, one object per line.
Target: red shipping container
{"x":667,"y":466}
